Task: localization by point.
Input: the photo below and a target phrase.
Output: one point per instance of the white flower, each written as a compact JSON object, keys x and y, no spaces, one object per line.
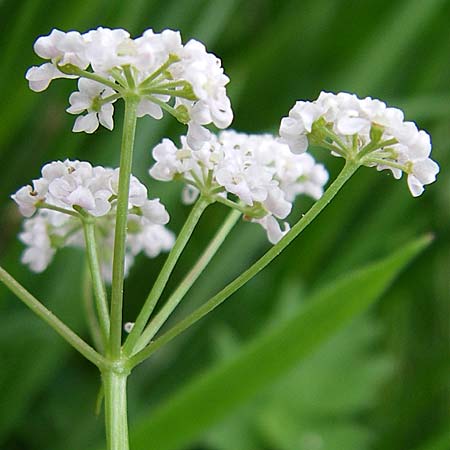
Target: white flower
{"x":27,"y":198}
{"x":300,"y":174}
{"x":204,"y":72}
{"x":63,"y":48}
{"x":106,"y":48}
{"x":73,"y":184}
{"x":184,"y":80}
{"x":366,"y":129}
{"x":197,"y":135}
{"x":249,"y":183}
{"x":76,"y":184}
{"x":39,"y":252}
{"x":92,"y":97}
{"x":273,"y":229}
{"x":155,"y":212}
{"x":153,"y":239}
{"x":81,"y":186}
{"x":258,"y":171}
{"x":39,"y":77}
{"x":167,"y":164}
{"x":423,"y":172}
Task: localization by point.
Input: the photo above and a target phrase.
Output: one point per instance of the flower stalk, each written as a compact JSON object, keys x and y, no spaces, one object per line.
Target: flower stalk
{"x":126,"y":159}
{"x":163,"y":277}
{"x":101,"y":300}
{"x":48,"y":317}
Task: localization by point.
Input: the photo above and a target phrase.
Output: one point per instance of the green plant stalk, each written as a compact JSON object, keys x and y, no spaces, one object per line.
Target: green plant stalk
{"x":126,"y":160}
{"x":89,"y":309}
{"x":158,"y":321}
{"x":101,"y":300}
{"x":48,"y":317}
{"x":116,"y":422}
{"x":348,"y":170}
{"x":163,"y":277}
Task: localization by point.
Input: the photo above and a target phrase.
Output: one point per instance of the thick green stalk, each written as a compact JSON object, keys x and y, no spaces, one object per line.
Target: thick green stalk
{"x":163,"y":277}
{"x":348,"y":170}
{"x":47,"y":316}
{"x":158,"y":321}
{"x":126,"y":159}
{"x":116,"y":421}
{"x":101,"y":300}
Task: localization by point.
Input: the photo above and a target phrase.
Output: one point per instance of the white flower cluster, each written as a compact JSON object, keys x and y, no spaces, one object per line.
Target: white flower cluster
{"x":71,"y":190}
{"x":365,"y":127}
{"x":154,"y":66}
{"x":258,"y":170}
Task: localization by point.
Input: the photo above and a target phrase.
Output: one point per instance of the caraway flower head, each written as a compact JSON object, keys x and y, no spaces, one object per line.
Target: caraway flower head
{"x":157,"y":68}
{"x":365,"y":129}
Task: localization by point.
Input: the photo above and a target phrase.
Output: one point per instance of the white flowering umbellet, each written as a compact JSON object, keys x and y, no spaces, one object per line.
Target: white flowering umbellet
{"x":70,"y":191}
{"x":365,"y":129}
{"x":156,"y":67}
{"x":258,"y":171}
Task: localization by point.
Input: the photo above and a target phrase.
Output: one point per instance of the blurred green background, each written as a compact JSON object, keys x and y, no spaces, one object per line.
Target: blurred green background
{"x":381,"y":383}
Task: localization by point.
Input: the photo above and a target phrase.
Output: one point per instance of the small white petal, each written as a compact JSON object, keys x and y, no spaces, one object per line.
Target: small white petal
{"x":415,"y":186}
{"x":83,"y":197}
{"x":426,"y":170}
{"x":87,"y":123}
{"x":351,"y":125}
{"x":155,"y":211}
{"x":105,"y":116}
{"x":273,"y":229}
{"x":147,"y":107}
{"x":197,"y":136}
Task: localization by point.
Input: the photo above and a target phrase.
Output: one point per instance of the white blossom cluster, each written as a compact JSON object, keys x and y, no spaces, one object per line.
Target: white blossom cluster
{"x":155,"y":66}
{"x":259,"y":171}
{"x":69,"y":191}
{"x":366,"y":127}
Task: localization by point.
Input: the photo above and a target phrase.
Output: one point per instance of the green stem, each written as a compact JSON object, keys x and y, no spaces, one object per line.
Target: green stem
{"x":155,"y":324}
{"x":348,"y":170}
{"x":43,"y":205}
{"x":225,"y":201}
{"x":101,"y":300}
{"x":159,"y":71}
{"x":171,"y":84}
{"x":126,"y":159}
{"x":335,"y":138}
{"x":100,"y":79}
{"x":91,"y":316}
{"x":116,"y":422}
{"x":372,"y":146}
{"x":172,"y":111}
{"x":47,"y":316}
{"x":163,"y":277}
{"x":129,"y":76}
{"x":333,"y":148}
{"x":170,"y":92}
{"x":256,"y":211}
{"x":109,"y":99}
{"x":73,"y":70}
